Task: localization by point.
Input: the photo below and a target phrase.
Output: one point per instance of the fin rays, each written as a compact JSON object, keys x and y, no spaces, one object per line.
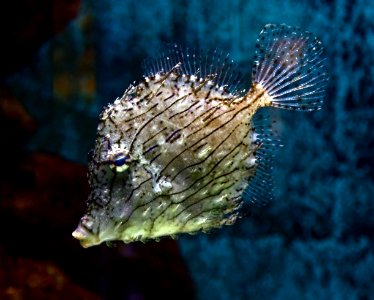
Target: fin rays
{"x":260,"y":187}
{"x":290,"y":65}
{"x":198,"y":63}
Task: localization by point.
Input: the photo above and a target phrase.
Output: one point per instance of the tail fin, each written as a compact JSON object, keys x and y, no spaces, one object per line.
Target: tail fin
{"x":290,"y":65}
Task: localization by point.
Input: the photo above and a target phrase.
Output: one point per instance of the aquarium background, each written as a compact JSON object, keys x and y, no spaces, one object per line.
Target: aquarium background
{"x":61,"y":61}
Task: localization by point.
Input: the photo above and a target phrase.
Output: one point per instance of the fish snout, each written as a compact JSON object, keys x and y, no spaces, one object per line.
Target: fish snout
{"x":85,"y":237}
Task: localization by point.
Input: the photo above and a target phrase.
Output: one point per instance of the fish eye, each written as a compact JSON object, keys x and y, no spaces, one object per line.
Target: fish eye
{"x":120,"y":160}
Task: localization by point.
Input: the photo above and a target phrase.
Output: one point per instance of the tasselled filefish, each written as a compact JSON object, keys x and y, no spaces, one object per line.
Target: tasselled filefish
{"x":181,"y":151}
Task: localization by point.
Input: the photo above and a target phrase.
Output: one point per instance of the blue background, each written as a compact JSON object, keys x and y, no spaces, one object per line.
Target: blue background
{"x":316,"y":240}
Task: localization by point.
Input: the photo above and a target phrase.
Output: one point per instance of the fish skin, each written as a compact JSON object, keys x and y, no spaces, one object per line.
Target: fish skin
{"x":176,"y":152}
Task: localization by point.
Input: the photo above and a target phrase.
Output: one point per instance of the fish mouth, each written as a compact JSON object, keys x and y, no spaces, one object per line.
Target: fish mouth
{"x":86,"y":238}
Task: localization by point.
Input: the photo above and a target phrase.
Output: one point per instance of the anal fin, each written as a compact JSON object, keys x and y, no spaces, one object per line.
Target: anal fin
{"x":264,"y":141}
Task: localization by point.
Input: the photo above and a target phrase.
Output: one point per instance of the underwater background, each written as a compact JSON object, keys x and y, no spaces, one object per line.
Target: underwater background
{"x":61,"y":61}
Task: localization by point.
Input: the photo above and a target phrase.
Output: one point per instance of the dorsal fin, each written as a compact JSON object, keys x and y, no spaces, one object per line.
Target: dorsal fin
{"x":195,"y":62}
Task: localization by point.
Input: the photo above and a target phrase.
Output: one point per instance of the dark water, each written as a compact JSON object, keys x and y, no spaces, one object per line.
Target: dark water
{"x":315,"y":241}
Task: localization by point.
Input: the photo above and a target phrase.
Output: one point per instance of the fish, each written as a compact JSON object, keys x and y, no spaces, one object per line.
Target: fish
{"x":185,"y":148}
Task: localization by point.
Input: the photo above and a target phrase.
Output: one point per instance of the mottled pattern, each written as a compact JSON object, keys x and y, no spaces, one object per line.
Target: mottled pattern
{"x":176,"y":152}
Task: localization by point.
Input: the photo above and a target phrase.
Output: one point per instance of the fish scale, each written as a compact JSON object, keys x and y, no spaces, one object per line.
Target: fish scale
{"x":181,"y":151}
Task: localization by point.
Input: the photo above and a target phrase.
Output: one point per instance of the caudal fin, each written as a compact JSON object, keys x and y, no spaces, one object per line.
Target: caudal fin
{"x":289,"y":64}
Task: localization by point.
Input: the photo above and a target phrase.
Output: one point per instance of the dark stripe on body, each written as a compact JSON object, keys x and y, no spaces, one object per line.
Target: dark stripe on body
{"x":187,"y":109}
{"x":172,"y":134}
{"x":150,"y":149}
{"x":142,"y":114}
{"x":152,"y":119}
{"x":210,"y":133}
{"x":209,"y":155}
{"x":189,"y":196}
{"x":199,"y":179}
{"x":153,"y":136}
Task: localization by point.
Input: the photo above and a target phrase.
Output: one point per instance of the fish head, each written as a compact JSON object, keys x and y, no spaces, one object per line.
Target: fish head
{"x":109,"y":177}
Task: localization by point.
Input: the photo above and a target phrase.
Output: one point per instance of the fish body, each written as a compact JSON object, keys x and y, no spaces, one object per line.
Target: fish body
{"x":179,"y":152}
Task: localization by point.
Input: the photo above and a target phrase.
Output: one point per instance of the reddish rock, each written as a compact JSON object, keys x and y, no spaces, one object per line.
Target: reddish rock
{"x":16,"y":125}
{"x":23,"y":278}
{"x":46,"y":190}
